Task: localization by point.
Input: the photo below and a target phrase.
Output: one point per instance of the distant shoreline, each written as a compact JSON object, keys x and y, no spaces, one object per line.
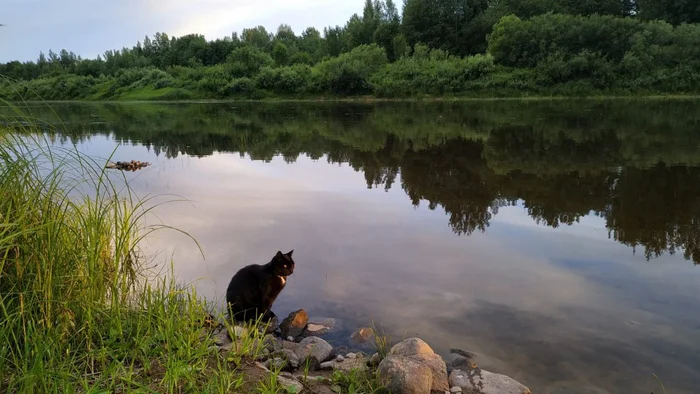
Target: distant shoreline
{"x":377,"y":99}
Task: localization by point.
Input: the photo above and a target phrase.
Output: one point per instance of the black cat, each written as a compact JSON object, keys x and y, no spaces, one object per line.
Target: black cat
{"x":254,"y":288}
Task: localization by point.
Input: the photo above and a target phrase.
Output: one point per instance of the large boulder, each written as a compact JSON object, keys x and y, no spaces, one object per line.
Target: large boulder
{"x":294,"y":324}
{"x":313,"y":350}
{"x":403,"y":359}
{"x":402,"y":375}
{"x":478,"y":381}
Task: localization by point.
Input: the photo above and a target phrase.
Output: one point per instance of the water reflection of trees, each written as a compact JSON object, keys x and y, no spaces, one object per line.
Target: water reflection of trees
{"x":633,"y":166}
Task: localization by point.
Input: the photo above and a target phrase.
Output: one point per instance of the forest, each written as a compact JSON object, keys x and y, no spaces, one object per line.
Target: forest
{"x":426,"y":48}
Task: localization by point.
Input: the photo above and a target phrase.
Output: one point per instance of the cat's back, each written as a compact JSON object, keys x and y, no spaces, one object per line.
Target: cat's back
{"x":248,"y":274}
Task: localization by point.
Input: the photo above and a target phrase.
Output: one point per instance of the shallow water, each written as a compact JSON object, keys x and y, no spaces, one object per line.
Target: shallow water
{"x":555,"y":239}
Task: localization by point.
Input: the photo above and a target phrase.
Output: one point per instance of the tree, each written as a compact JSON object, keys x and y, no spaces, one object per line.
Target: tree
{"x":441,"y":23}
{"x":257,"y":36}
{"x":333,"y":40}
{"x":672,"y":11}
{"x":280,"y":53}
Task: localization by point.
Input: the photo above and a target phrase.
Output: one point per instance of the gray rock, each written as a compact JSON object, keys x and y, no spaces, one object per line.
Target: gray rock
{"x":326,"y":366}
{"x":414,"y":350}
{"x":276,"y":364}
{"x":294,"y":324}
{"x":375,"y":359}
{"x":269,"y":327}
{"x":272,"y":343}
{"x":347,"y":365}
{"x":327,"y":322}
{"x":238,"y":332}
{"x":402,"y":375}
{"x":293,"y":346}
{"x":290,"y":356}
{"x":314,"y":350}
{"x":484,"y":382}
{"x":340,"y":358}
{"x":292,"y":385}
{"x":362,"y":335}
{"x":318,"y":327}
{"x":222,"y":338}
{"x":351,"y":355}
{"x":455,"y":389}
{"x":340,"y":350}
{"x":290,"y":339}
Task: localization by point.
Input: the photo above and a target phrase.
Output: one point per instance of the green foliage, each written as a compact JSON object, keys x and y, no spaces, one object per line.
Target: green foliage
{"x":432,"y":73}
{"x":349,"y":73}
{"x":607,"y":52}
{"x":539,"y":47}
{"x":247,"y":60}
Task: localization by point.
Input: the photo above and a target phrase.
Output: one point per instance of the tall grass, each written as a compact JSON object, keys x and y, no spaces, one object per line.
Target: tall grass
{"x":77,"y":310}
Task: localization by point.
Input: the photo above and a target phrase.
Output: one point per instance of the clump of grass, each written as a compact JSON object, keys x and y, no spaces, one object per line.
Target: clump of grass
{"x":356,"y":382}
{"x":382,"y":340}
{"x":77,"y":310}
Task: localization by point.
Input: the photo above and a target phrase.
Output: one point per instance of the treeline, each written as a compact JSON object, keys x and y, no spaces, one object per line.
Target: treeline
{"x":560,"y":161}
{"x":432,"y":47}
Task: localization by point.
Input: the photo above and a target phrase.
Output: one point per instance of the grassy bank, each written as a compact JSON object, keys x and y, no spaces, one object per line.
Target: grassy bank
{"x":79,"y":310}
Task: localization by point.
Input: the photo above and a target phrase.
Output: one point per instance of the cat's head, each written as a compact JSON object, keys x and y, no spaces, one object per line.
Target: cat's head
{"x":283,"y":264}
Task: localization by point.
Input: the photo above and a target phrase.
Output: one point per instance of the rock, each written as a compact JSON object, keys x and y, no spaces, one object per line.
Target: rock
{"x":290,"y":339}
{"x":415,"y":351}
{"x":293,"y":346}
{"x":238,"y":332}
{"x":351,"y":355}
{"x":327,"y":322}
{"x":463,"y":364}
{"x":411,"y":347}
{"x":272,"y":343}
{"x":484,"y":382}
{"x":326,"y":366}
{"x":290,"y":356}
{"x":294,"y":324}
{"x":346,"y":365}
{"x":222,"y":338}
{"x":272,"y":325}
{"x":375,"y":359}
{"x":276,"y":364}
{"x":401,"y":375}
{"x":438,"y":368}
{"x":362,"y":335}
{"x":313,"y":349}
{"x":291,"y":385}
{"x":455,"y":389}
{"x":340,"y":358}
{"x":340,"y":350}
{"x":261,"y":366}
{"x":318,"y":327}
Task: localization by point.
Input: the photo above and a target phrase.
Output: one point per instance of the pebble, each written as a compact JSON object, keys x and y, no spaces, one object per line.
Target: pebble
{"x":351,"y":355}
{"x":340,"y":358}
{"x":455,"y":389}
{"x":290,"y":338}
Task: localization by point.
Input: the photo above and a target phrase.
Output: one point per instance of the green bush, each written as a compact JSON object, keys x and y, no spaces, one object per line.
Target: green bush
{"x":350,"y":72}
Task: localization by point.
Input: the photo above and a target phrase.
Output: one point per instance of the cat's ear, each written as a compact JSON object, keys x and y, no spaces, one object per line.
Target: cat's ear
{"x":290,"y":253}
{"x":279,"y":255}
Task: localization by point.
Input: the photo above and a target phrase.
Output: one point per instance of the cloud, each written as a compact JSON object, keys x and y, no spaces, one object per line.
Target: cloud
{"x":89,"y":29}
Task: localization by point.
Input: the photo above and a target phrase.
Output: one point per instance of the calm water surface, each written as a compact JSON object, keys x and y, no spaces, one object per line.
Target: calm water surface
{"x":557,"y":240}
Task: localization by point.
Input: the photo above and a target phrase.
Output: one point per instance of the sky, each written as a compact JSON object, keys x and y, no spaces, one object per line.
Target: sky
{"x":89,"y":27}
